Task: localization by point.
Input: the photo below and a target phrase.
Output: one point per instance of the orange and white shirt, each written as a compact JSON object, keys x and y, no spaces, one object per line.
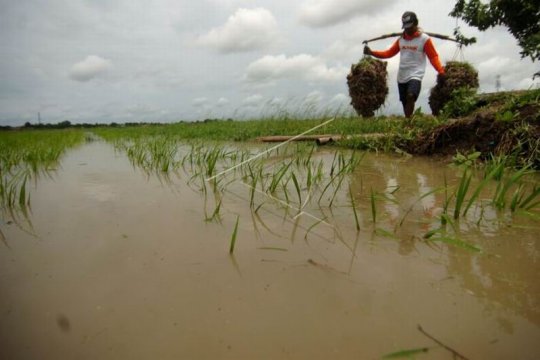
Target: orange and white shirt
{"x":413,"y":49}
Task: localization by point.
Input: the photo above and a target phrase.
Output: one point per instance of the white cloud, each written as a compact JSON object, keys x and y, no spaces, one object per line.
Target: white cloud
{"x":245,"y":30}
{"x":494,"y":65}
{"x":199,"y":102}
{"x":321,"y":13}
{"x":307,"y":67}
{"x":340,"y":98}
{"x":529,"y":83}
{"x":222,"y":102}
{"x":89,"y":68}
{"x":253,"y":100}
{"x":314,"y":97}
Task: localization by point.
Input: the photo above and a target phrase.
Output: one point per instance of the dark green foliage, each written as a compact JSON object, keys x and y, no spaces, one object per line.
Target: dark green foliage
{"x":520,"y":16}
{"x":367,"y":85}
{"x":462,"y":39}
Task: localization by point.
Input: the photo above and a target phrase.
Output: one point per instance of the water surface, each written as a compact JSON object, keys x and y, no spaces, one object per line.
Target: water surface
{"x":119,"y":264}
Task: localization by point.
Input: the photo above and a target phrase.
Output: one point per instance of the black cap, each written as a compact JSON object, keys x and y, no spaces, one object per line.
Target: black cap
{"x":408,"y":19}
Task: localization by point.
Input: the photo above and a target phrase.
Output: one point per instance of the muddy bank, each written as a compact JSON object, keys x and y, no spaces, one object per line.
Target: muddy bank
{"x":487,"y":132}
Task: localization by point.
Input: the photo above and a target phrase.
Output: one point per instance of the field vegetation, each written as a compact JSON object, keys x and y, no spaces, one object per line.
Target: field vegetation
{"x":294,"y":175}
{"x":24,"y":157}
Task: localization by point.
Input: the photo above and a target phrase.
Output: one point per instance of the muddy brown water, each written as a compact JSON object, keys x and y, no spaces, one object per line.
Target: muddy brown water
{"x":122,"y":265}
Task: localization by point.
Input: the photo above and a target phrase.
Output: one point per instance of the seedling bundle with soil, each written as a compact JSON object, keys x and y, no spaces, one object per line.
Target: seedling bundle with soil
{"x":458,"y":75}
{"x":367,"y":85}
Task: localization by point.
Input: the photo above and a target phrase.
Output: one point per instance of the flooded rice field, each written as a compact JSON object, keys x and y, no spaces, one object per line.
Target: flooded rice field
{"x":299,"y":253}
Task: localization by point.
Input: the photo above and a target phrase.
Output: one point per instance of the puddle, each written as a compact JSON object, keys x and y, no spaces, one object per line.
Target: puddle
{"x":122,"y":264}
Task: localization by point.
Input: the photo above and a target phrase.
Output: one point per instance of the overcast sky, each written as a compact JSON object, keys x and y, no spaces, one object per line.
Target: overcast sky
{"x":170,"y":60}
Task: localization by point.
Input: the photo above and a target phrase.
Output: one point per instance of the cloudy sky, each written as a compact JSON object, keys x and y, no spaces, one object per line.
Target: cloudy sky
{"x":170,"y":60}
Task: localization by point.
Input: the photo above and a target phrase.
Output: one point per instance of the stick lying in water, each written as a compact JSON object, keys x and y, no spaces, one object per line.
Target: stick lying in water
{"x":454,"y":352}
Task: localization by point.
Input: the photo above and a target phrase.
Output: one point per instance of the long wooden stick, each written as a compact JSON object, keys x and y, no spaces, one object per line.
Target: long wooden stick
{"x":438,"y":36}
{"x":443,"y":37}
{"x":382,"y":37}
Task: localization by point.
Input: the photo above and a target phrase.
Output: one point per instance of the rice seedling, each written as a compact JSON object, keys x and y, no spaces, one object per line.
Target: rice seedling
{"x":336,"y":189}
{"x":529,"y":202}
{"x":340,"y":167}
{"x":440,"y":235}
{"x":494,"y":173}
{"x":499,"y":199}
{"x":409,"y":353}
{"x":312,"y":227}
{"x":276,"y":177}
{"x":462,"y":192}
{"x":272,"y":248}
{"x":233,"y":236}
{"x":297,"y":187}
{"x":373,"y":207}
{"x":215,"y":214}
{"x":353,"y":205}
{"x":457,"y":242}
{"x":211,"y":159}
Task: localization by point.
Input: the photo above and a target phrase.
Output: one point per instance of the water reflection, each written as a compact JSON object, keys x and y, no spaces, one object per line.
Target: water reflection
{"x":391,"y":204}
{"x":505,"y":278}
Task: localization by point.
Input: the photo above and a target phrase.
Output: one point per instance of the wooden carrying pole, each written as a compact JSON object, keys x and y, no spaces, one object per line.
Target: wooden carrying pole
{"x":438,"y":36}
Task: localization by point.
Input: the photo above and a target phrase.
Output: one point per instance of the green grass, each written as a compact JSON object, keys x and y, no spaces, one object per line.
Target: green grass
{"x":26,"y":155}
{"x":251,"y":129}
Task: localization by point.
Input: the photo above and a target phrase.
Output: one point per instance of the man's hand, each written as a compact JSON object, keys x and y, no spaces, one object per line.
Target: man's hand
{"x":441,"y":78}
{"x":367,"y":50}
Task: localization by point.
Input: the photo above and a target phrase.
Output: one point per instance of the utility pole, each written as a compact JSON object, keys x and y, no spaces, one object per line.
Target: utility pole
{"x":498,"y":83}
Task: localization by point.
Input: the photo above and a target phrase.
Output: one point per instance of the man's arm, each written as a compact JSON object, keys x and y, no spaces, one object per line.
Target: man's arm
{"x":433,"y":56}
{"x":385,"y":54}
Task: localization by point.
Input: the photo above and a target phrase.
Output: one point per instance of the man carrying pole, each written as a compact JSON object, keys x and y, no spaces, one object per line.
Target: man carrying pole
{"x":413,"y":46}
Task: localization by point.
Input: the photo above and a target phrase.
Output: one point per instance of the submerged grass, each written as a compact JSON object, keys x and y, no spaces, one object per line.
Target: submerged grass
{"x":406,"y":354}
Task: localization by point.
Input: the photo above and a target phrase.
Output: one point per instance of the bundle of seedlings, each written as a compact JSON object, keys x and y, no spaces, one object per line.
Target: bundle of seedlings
{"x":367,"y":85}
{"x":458,"y":75}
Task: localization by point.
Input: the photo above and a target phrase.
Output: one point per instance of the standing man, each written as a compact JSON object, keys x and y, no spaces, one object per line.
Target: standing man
{"x":413,"y":45}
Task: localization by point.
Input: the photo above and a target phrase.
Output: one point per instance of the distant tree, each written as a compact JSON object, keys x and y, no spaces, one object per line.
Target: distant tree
{"x":522,"y":17}
{"x":64,"y":124}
